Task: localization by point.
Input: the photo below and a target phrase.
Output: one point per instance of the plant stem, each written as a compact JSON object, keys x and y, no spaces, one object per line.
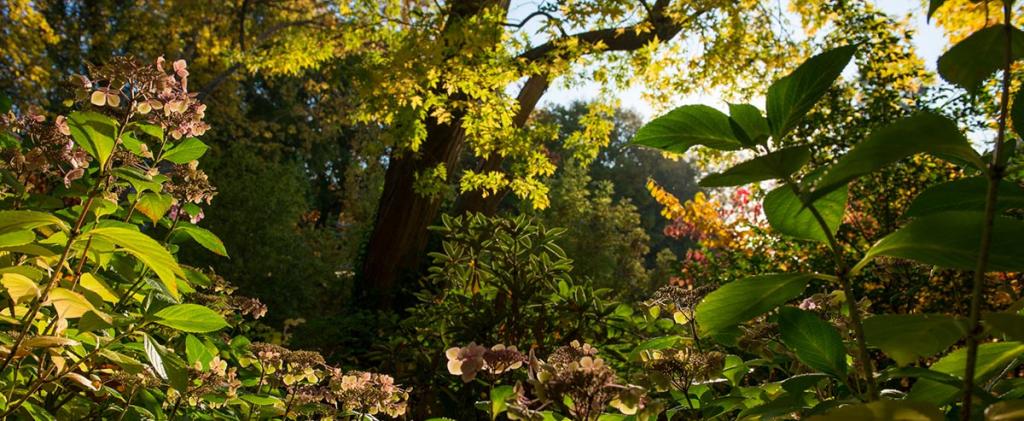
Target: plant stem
{"x":995,"y":176}
{"x":843,"y":277}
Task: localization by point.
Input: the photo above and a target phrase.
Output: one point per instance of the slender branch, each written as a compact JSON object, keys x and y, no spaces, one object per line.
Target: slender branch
{"x":995,"y":176}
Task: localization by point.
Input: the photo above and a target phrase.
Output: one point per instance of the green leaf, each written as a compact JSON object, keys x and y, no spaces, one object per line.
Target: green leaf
{"x":165,"y":364}
{"x":260,"y":400}
{"x":154,"y":205}
{"x":735,"y":369}
{"x":1017,"y":113}
{"x":883,"y":410}
{"x":688,"y":126}
{"x":204,"y":237}
{"x":188,"y":150}
{"x":787,"y":214}
{"x":499,"y":397}
{"x":975,"y":58}
{"x":992,"y":358}
{"x":147,"y":250}
{"x":776,"y":165}
{"x":196,"y":351}
{"x":27,"y":220}
{"x":742,"y":300}
{"x":192,"y":318}
{"x":921,"y":133}
{"x":1009,"y":324}
{"x":94,"y":133}
{"x":909,"y":337}
{"x":791,"y":97}
{"x":965,"y":194}
{"x":951,"y":240}
{"x":801,"y":382}
{"x":753,"y":127}
{"x":17,"y":238}
{"x":139,"y":180}
{"x":155,"y":131}
{"x":816,"y":342}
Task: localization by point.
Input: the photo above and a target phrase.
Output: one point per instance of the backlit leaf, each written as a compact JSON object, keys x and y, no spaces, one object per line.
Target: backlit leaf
{"x":776,"y":165}
{"x":94,"y":133}
{"x":192,"y":318}
{"x":686,"y":127}
{"x":909,"y":337}
{"x":975,"y":58}
{"x":791,"y":97}
{"x":816,"y":342}
{"x":788,"y":215}
{"x":745,"y":299}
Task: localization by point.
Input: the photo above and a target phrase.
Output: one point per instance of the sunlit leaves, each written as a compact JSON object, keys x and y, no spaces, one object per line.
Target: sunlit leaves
{"x":907,"y":338}
{"x":776,"y":165}
{"x":26,"y":220}
{"x":686,"y":127}
{"x":192,"y":318}
{"x":992,"y":358}
{"x":204,"y":237}
{"x":147,"y":250}
{"x":816,"y":342}
{"x":921,"y":133}
{"x":977,"y":57}
{"x":788,"y":215}
{"x":95,"y":133}
{"x":19,"y":287}
{"x":791,"y":97}
{"x":165,"y":364}
{"x":966,"y":194}
{"x":951,"y":239}
{"x":188,"y":150}
{"x":742,"y":300}
{"x":154,"y":205}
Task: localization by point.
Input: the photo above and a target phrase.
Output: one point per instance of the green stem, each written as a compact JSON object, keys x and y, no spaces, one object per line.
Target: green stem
{"x":995,"y":176}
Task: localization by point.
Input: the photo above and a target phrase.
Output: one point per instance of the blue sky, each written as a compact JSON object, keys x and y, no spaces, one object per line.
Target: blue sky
{"x":928,"y":39}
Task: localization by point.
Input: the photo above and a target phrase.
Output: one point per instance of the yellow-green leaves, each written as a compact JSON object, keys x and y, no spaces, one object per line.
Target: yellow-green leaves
{"x":907,"y":338}
{"x":921,"y":133}
{"x":72,"y":305}
{"x":978,"y":56}
{"x":204,"y":237}
{"x":965,"y":194}
{"x":951,"y":239}
{"x":147,"y":250}
{"x":26,"y":220}
{"x":742,"y":300}
{"x":788,"y":215}
{"x":95,"y":133}
{"x":154,"y":205}
{"x":188,"y":150}
{"x":686,"y":127}
{"x":791,"y":97}
{"x":19,"y":287}
{"x":992,"y":357}
{"x":192,"y":318}
{"x":815,"y":342}
{"x":779,"y":164}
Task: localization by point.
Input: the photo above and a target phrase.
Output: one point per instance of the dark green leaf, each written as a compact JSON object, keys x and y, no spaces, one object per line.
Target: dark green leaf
{"x":94,"y":133}
{"x":992,"y":358}
{"x":779,"y":164}
{"x":742,"y":300}
{"x":909,"y":337}
{"x":883,"y":410}
{"x":139,"y":180}
{"x":966,"y":194}
{"x":688,"y":126}
{"x":788,"y":215}
{"x":188,"y":150}
{"x":5,"y":104}
{"x":801,"y":382}
{"x":975,"y":58}
{"x":204,"y":237}
{"x":793,"y":96}
{"x":735,"y":369}
{"x":921,"y":133}
{"x":951,"y":239}
{"x":1009,"y":324}
{"x":815,"y":342}
{"x":190,"y":318}
{"x":1017,"y":113}
{"x":752,"y":126}
{"x":260,"y":400}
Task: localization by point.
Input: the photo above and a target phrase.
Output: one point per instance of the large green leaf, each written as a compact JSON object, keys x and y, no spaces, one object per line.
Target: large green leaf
{"x":154,"y":205}
{"x":188,"y":150}
{"x":742,"y":300}
{"x":19,"y":220}
{"x":787,"y":214}
{"x":139,"y":180}
{"x":921,"y":133}
{"x":975,"y":58}
{"x":166,"y":364}
{"x":883,"y":410}
{"x":688,"y":126}
{"x":95,"y":133}
{"x":753,"y":127}
{"x":192,"y":318}
{"x":196,"y":351}
{"x":909,"y":337}
{"x":815,"y":342}
{"x":965,"y":194}
{"x":992,"y":358}
{"x":147,"y":250}
{"x":791,"y":97}
{"x":951,"y":239}
{"x":779,"y":164}
{"x":204,"y":237}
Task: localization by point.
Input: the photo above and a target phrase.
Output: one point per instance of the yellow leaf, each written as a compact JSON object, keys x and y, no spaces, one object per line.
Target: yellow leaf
{"x":19,"y":286}
{"x":49,"y":342}
{"x":96,"y":285}
{"x":70,"y":304}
